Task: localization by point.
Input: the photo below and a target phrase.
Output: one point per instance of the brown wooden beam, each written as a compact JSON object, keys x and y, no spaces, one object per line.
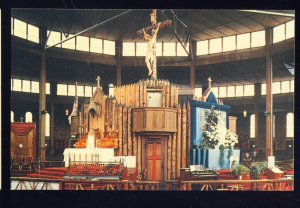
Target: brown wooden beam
{"x":269,"y":95}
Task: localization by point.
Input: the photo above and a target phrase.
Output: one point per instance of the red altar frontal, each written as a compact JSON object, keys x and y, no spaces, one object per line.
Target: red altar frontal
{"x":23,"y":140}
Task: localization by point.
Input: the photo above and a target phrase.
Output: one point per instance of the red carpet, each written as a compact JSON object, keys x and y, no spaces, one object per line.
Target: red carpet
{"x":52,"y":173}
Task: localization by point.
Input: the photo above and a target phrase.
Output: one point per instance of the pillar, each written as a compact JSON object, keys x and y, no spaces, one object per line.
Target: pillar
{"x":257,"y":91}
{"x":192,"y":64}
{"x":42,"y":108}
{"x":42,"y":98}
{"x":119,"y":50}
{"x":269,"y":96}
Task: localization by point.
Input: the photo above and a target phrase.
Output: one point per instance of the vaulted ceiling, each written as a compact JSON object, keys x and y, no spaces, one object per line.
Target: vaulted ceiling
{"x":200,"y":24}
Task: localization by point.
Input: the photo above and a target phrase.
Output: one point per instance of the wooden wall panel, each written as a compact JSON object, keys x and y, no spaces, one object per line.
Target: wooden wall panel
{"x":178,"y":141}
{"x":183,"y":137}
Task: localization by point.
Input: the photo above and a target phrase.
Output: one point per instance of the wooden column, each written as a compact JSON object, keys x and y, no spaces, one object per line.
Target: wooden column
{"x":178,"y":141}
{"x":257,"y":91}
{"x":42,"y":108}
{"x":120,"y":130}
{"x":174,"y":156}
{"x":139,"y":154}
{"x":135,"y":144}
{"x":125,"y":131}
{"x":119,"y":62}
{"x":137,"y":97}
{"x":129,"y":132}
{"x":183,"y":137}
{"x":269,"y":95}
{"x":192,"y":64}
{"x":169,"y":156}
{"x":188,"y":134}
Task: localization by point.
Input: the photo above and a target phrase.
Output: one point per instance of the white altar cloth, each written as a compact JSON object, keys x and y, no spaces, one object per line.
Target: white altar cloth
{"x":85,"y":155}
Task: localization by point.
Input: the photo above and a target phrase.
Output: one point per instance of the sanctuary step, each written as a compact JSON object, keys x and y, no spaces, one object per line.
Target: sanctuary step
{"x":53,"y":173}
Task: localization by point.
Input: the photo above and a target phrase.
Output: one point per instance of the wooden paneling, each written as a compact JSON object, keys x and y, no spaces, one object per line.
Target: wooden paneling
{"x":154,"y":119}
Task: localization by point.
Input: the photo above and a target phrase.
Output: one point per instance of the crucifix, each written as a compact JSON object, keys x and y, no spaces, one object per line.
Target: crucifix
{"x":209,"y":82}
{"x":98,"y":81}
{"x":150,"y":58}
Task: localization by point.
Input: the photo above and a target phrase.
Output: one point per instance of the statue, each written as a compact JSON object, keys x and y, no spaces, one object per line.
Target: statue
{"x":150,"y":58}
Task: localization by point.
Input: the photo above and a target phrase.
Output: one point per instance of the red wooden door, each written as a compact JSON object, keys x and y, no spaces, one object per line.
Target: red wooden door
{"x":154,"y":161}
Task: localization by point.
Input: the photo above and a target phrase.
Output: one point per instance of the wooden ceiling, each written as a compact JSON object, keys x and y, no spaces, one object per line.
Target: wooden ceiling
{"x":201,"y":24}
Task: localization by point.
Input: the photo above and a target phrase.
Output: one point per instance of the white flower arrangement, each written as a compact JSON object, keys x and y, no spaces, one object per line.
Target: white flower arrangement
{"x":215,"y":133}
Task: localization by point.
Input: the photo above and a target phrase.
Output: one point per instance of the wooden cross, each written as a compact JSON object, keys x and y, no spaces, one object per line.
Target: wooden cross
{"x":209,"y":82}
{"x":98,"y":81}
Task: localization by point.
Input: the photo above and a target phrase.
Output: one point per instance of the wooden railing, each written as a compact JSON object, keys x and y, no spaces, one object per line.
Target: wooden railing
{"x":232,"y":185}
{"x":23,"y":183}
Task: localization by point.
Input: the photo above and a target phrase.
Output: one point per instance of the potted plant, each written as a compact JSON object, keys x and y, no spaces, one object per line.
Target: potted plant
{"x":240,"y":170}
{"x":257,"y":168}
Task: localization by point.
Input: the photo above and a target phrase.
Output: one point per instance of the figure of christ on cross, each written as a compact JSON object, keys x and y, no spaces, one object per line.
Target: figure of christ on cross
{"x":150,"y":58}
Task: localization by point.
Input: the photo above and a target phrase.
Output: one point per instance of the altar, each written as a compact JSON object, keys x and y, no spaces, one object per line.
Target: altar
{"x":87,"y":155}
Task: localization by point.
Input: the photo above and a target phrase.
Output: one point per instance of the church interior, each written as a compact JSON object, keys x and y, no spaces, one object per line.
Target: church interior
{"x":152,"y":99}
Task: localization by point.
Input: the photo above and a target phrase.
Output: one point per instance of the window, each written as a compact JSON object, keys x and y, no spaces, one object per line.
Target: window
{"x":229,"y":43}
{"x":243,"y":41}
{"x":258,"y":39}
{"x":285,"y":86}
{"x":94,"y":89}
{"x":141,"y":49}
{"x":33,"y":33}
{"x":279,"y":33}
{"x":169,"y":49}
{"x":96,"y":45}
{"x":80,"y":91}
{"x":239,"y":91}
{"x":26,"y":86}
{"x":69,"y":44}
{"x":158,"y":49}
{"x":28,"y":117}
{"x":128,"y":49}
{"x":71,"y":90}
{"x":87,"y":91}
{"x":198,"y":92}
{"x":62,"y":89}
{"x":12,"y":26}
{"x":263,"y":89}
{"x":276,"y":87}
{"x":252,"y":126}
{"x":53,"y":38}
{"x":82,"y":43}
{"x":290,"y":125}
{"x":35,"y":87}
{"x":215,"y":91}
{"x":47,"y":131}
{"x":109,"y":47}
{"x":248,"y":90}
{"x":290,"y":29}
{"x":17,"y":86}
{"x":202,"y":47}
{"x":48,"y":88}
{"x":12,"y":117}
{"x":215,"y":45}
{"x":181,"y":51}
{"x":222,"y":92}
{"x":20,"y":29}
{"x":231,"y":91}
{"x":292,"y":85}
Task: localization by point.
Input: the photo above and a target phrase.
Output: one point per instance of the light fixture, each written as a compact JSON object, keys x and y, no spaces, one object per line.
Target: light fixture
{"x":245,"y":113}
{"x":67,"y":112}
{"x":253,"y":145}
{"x":20,"y":146}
